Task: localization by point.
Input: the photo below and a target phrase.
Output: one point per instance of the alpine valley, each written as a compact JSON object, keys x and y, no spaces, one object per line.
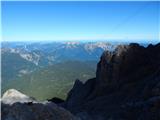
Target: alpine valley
{"x":48,"y":69}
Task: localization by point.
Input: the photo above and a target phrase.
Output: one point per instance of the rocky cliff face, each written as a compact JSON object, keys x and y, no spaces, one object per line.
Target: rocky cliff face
{"x":127,"y":64}
{"x":127,"y":86}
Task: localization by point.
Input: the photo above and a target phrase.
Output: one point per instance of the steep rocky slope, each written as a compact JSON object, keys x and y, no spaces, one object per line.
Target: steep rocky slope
{"x":126,"y":87}
{"x":35,"y":111}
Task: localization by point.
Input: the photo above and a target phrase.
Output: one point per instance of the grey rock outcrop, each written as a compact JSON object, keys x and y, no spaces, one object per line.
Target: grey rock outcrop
{"x":18,"y":106}
{"x":12,"y":96}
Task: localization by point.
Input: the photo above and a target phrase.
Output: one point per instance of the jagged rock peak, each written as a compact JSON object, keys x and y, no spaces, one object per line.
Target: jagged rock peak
{"x":119,"y":50}
{"x":120,"y":65}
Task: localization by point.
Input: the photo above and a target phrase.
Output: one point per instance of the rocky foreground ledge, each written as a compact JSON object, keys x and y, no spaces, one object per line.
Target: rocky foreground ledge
{"x":17,"y":106}
{"x":126,"y":87}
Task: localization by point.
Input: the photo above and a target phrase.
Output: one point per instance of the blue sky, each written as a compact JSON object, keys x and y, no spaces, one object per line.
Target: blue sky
{"x":38,"y":21}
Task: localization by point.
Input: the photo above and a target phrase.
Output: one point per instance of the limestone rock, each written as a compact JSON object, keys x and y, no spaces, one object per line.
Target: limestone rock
{"x":12,"y":96}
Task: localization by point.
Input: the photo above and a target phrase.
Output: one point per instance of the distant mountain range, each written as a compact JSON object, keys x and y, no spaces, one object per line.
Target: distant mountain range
{"x":31,"y":65}
{"x":42,"y":54}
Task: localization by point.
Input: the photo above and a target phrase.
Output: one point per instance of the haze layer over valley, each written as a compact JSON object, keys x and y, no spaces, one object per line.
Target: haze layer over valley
{"x":48,"y":69}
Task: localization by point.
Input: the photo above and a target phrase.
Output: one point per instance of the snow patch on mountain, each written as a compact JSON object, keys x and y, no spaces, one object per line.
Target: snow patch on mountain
{"x":32,"y":58}
{"x":71,"y":45}
{"x":104,"y":46}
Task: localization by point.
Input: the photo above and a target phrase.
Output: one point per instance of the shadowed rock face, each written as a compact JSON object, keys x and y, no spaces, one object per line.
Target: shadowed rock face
{"x":126,"y":64}
{"x":35,"y":111}
{"x":56,"y":100}
{"x":127,"y":86}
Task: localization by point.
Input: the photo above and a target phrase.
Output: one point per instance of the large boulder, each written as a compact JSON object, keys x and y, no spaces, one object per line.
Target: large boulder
{"x":12,"y":96}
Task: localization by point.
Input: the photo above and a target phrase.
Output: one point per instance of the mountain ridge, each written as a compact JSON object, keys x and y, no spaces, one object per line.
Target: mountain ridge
{"x":127,"y":82}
